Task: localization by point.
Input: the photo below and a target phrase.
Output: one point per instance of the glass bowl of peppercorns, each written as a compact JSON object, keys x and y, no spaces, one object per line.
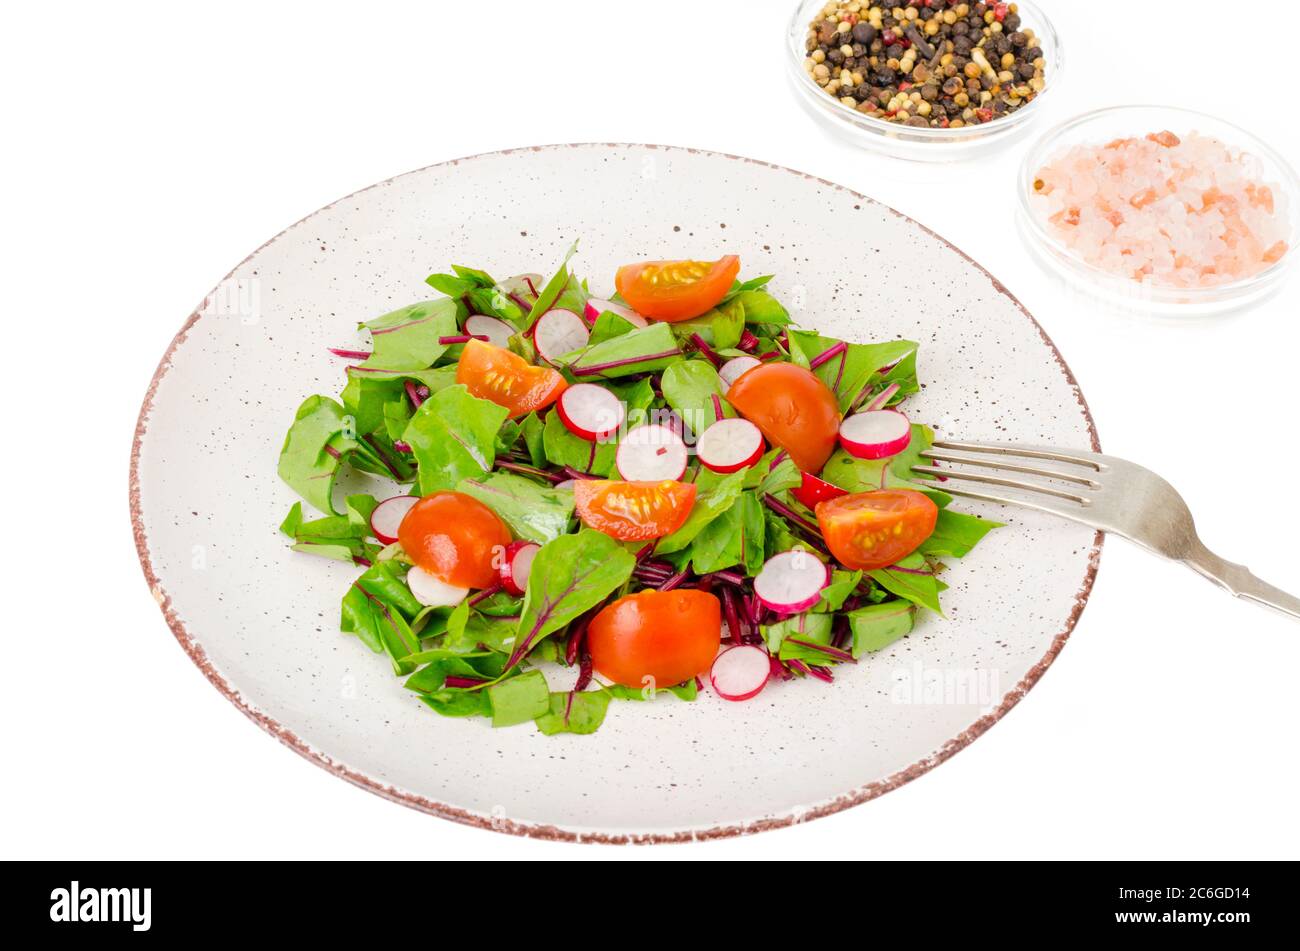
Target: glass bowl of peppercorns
{"x":935,"y":80}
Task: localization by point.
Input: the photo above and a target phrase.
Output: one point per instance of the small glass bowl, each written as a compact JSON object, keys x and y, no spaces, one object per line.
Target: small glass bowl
{"x":909,"y":142}
{"x":1124,"y":293}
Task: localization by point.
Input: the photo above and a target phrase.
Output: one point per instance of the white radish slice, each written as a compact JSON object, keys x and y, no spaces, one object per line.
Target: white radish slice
{"x":433,"y":592}
{"x":497,"y":331}
{"x":739,"y":673}
{"x":791,"y":581}
{"x":589,"y":411}
{"x":651,"y":454}
{"x":559,"y":332}
{"x":387,"y":516}
{"x":730,"y":445}
{"x":567,"y":485}
{"x":875,"y":434}
{"x":595,"y":307}
{"x":733,"y":368}
{"x":516,"y":565}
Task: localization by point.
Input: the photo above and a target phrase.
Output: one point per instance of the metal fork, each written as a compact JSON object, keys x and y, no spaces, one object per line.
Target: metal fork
{"x":1102,"y":492}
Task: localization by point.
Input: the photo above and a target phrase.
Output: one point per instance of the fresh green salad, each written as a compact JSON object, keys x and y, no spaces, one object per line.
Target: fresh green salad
{"x":580,"y":500}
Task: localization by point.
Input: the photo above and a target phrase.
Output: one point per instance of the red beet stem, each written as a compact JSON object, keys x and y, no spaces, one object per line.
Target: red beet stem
{"x":554,"y":478}
{"x":350,"y":354}
{"x":462,"y":338}
{"x":454,"y":681}
{"x":827,"y":649}
{"x":748,"y":342}
{"x":827,"y":355}
{"x":708,"y":352}
{"x":596,"y":369}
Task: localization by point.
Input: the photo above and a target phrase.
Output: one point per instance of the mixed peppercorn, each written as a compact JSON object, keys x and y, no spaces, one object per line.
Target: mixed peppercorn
{"x":934,"y":63}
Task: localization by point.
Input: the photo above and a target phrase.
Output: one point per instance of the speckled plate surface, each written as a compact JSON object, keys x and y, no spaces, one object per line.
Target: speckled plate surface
{"x":261,"y":622}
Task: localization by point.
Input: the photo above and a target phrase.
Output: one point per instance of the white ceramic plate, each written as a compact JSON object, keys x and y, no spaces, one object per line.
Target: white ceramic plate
{"x":262,"y":621}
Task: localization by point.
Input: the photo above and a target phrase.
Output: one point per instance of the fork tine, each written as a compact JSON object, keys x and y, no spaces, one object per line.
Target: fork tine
{"x":996,"y":463}
{"x":1007,"y":483}
{"x":1078,"y":459}
{"x":1041,"y":504}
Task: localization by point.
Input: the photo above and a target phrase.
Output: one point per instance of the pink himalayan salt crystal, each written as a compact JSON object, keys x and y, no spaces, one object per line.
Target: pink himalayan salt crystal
{"x":1188,"y":212}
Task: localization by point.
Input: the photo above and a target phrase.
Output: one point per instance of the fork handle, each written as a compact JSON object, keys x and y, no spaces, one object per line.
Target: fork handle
{"x":1240,"y":582}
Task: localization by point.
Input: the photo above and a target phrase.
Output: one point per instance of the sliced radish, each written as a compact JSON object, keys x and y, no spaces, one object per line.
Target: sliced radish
{"x":567,"y":485}
{"x":730,"y":445}
{"x":651,"y":454}
{"x":497,"y":331}
{"x":875,"y":434}
{"x":814,"y":490}
{"x":733,"y":368}
{"x":433,"y":592}
{"x":791,"y":581}
{"x":595,"y":307}
{"x":559,"y":332}
{"x":516,"y":565}
{"x":388,"y":514}
{"x":590,"y":412}
{"x":739,"y":673}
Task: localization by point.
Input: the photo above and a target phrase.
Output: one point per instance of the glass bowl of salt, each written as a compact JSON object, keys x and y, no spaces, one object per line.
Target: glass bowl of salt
{"x":1161,"y":210}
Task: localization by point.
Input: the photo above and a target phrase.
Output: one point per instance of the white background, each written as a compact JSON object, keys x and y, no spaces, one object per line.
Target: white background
{"x":150,"y":147}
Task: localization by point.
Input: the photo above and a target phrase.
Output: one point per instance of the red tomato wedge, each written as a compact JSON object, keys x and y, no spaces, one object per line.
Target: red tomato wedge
{"x":507,"y":379}
{"x":633,"y":511}
{"x":870,"y":530}
{"x":676,"y":290}
{"x":656,"y":638}
{"x":814,"y":490}
{"x":455,"y":538}
{"x":792,"y":408}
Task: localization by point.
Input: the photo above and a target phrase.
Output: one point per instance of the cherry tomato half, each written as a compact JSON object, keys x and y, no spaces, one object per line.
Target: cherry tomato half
{"x":792,"y":408}
{"x":454,"y":537}
{"x":507,"y":379}
{"x":633,"y":511}
{"x":870,"y":530}
{"x":656,"y":638}
{"x":676,"y":290}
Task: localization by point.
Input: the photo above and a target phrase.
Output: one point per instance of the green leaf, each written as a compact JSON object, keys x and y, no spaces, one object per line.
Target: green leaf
{"x":531,"y":511}
{"x":376,"y":609}
{"x":519,"y":699}
{"x":441,"y":664}
{"x":342,"y":537}
{"x":534,"y":439}
{"x":736,"y":537}
{"x":877,"y":626}
{"x":608,"y":326}
{"x":459,"y":702}
{"x":760,"y":306}
{"x":563,"y":448}
{"x":291,"y":521}
{"x":769,"y":479}
{"x":955,"y":534}
{"x":643,"y":350}
{"x":407,"y":338}
{"x":865,"y":475}
{"x":843,"y":584}
{"x":321,"y":435}
{"x":453,"y":436}
{"x":580,"y":713}
{"x":556,"y":287}
{"x":709,"y":504}
{"x":915,"y":582}
{"x":814,"y":628}
{"x":849,"y":373}
{"x":720,"y":328}
{"x":687,"y":690}
{"x":570,"y":575}
{"x":690,"y":387}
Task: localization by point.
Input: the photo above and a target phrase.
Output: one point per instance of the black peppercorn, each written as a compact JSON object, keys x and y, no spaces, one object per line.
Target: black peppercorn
{"x":1011,"y":22}
{"x":1026,"y":71}
{"x":863,"y":32}
{"x":885,"y":77}
{"x":835,"y":56}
